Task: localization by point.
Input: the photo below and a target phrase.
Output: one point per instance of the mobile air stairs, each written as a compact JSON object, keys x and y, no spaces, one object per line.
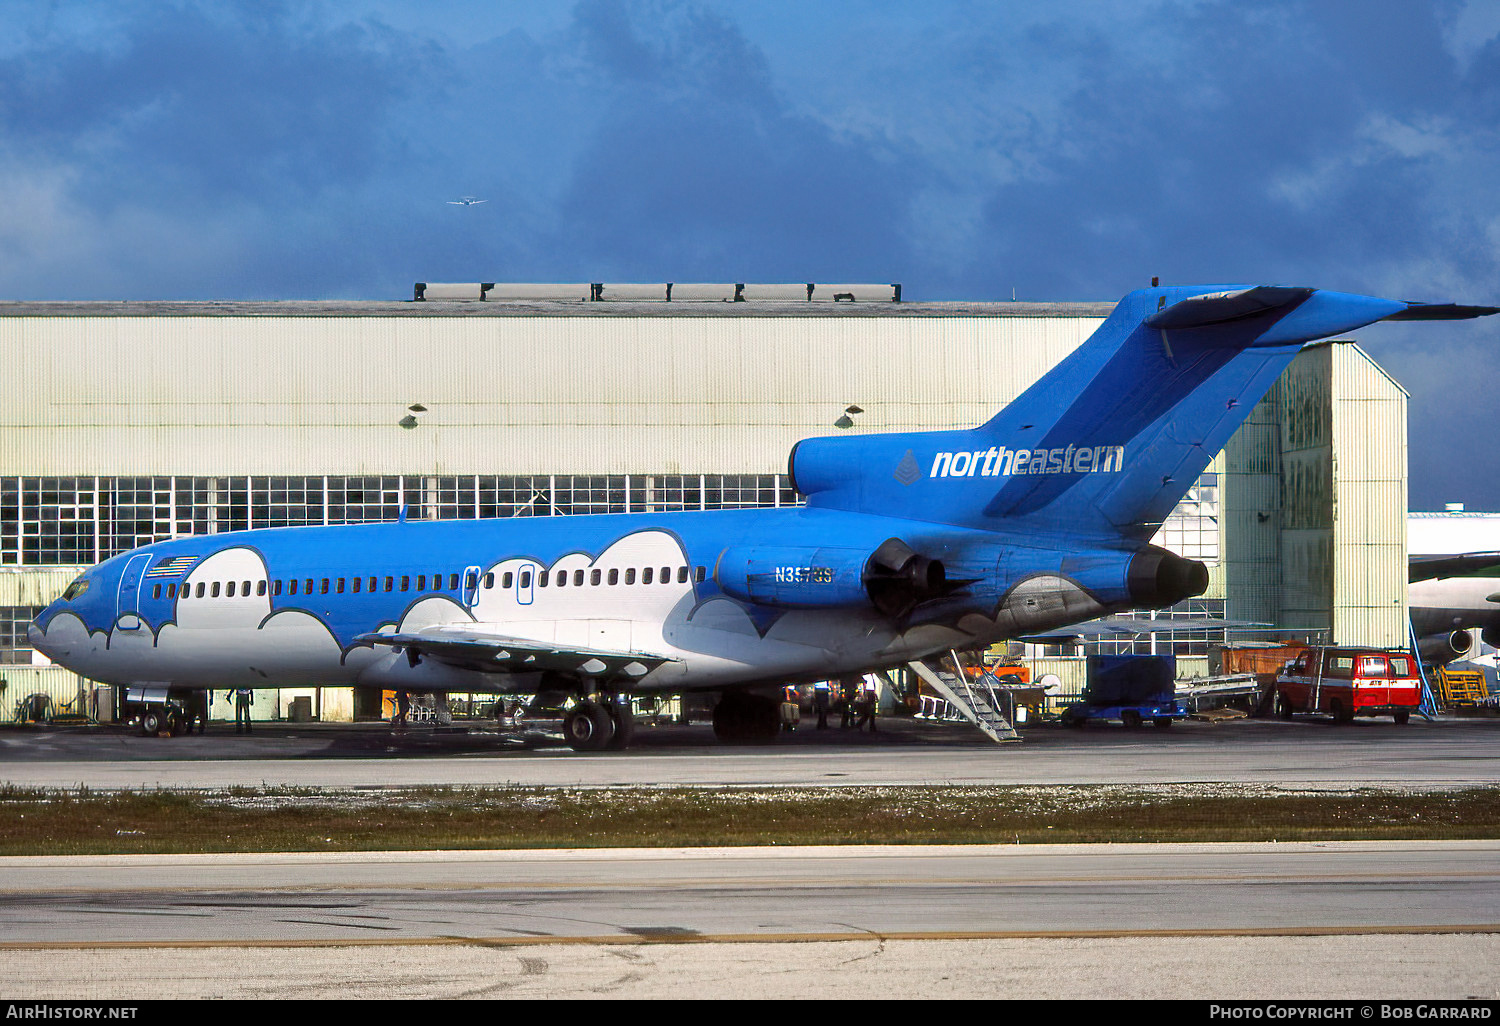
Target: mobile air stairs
{"x":982,"y":702}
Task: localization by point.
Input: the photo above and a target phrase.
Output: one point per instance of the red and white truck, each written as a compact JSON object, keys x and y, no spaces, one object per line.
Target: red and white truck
{"x":1347,"y":682}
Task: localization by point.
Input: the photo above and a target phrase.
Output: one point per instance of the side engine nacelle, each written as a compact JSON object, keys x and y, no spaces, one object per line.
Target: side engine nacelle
{"x":1440,"y":649}
{"x":893,"y":578}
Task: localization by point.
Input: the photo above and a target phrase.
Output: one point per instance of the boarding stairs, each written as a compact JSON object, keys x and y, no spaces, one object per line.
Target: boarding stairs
{"x":981,"y":703}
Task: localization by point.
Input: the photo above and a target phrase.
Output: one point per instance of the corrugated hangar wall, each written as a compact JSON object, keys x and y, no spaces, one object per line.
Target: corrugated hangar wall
{"x":1315,"y":503}
{"x":514,"y":395}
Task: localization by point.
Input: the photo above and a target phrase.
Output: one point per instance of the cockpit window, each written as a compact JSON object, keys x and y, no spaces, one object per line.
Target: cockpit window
{"x":76,"y":589}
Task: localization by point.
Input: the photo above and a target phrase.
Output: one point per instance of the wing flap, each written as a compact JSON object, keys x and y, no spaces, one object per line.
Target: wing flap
{"x":499,"y":653}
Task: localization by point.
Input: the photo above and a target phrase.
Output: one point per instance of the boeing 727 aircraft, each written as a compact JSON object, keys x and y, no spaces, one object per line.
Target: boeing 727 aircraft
{"x":909,"y":545}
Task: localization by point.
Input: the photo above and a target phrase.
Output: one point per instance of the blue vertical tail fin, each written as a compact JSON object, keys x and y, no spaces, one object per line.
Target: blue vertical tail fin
{"x":1109,"y":440}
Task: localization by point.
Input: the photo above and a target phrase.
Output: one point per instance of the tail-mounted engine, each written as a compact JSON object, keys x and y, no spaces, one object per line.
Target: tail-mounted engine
{"x":894,"y":578}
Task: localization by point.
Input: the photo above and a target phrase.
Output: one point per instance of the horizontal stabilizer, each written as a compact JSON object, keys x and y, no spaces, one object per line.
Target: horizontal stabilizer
{"x":1441,"y":312}
{"x":1223,"y":307}
{"x":1428,"y":568}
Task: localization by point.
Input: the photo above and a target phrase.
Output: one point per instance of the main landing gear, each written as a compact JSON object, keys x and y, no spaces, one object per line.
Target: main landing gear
{"x":600,"y":723}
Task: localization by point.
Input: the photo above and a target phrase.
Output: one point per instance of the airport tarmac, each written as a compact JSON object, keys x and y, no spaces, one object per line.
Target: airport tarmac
{"x":1306,"y":752}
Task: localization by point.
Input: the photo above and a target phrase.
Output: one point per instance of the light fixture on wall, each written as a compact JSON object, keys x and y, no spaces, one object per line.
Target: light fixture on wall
{"x":846,"y":420}
{"x":412,"y":412}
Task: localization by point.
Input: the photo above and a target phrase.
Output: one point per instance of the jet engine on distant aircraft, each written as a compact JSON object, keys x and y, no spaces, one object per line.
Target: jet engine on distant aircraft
{"x":1440,"y":649}
{"x":894,"y":577}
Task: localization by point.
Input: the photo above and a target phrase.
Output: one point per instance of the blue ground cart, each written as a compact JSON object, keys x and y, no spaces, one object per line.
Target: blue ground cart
{"x":1131,"y":689}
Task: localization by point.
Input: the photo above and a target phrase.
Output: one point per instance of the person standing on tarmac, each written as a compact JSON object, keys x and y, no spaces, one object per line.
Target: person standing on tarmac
{"x":244,"y":698}
{"x":820,"y":703}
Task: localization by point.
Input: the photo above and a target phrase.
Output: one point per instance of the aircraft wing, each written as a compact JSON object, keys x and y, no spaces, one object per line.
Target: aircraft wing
{"x":486,"y":652}
{"x":1427,"y":568}
{"x":1129,"y":627}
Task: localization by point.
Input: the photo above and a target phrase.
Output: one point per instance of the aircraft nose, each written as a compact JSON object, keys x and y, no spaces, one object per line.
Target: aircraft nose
{"x":37,"y":640}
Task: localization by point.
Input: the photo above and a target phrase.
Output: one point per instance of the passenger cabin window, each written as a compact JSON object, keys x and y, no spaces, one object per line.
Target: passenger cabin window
{"x":453,"y":582}
{"x":702,"y":573}
{"x":307,"y":588}
{"x":200,"y":589}
{"x":276,"y":587}
{"x":338,"y":586}
{"x":323,"y":589}
{"x":374,"y":583}
{"x":245,"y":588}
{"x":646,"y":576}
{"x":594,"y":577}
{"x":390,"y":584}
{"x":291,"y":586}
{"x":507,"y":580}
{"x":470,"y":580}
{"x":666,"y":575}
{"x":421,"y":582}
{"x":355,"y":582}
{"x":562,"y":578}
{"x":405,"y":582}
{"x":215,"y":592}
{"x":260,"y":589}
{"x":614,"y":578}
{"x":229,"y":591}
{"x":682,"y":575}
{"x":577,"y":578}
{"x":541,"y":578}
{"x":156,"y":591}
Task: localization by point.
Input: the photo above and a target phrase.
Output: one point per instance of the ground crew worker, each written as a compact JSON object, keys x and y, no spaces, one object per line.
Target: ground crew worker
{"x":867,"y":704}
{"x":244,"y":698}
{"x":403,"y":706}
{"x":846,"y":707}
{"x":820,"y":703}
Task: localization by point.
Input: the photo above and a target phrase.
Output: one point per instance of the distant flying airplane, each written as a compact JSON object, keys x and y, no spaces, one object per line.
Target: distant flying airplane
{"x":910,"y":545}
{"x":467,"y":201}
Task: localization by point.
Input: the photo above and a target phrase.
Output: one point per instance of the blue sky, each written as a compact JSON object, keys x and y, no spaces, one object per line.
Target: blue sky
{"x":1067,"y":150}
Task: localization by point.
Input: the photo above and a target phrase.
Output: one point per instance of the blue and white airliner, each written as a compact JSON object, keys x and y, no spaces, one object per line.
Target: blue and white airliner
{"x":909,"y":545}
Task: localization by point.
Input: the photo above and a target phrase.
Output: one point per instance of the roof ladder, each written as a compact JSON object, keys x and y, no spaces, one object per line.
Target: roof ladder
{"x":980,"y":704}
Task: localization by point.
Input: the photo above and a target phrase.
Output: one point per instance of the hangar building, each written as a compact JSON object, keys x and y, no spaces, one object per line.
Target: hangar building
{"x":129,"y":422}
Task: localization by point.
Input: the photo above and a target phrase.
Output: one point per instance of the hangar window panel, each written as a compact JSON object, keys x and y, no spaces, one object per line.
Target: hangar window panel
{"x":286,"y":501}
{"x":14,"y":648}
{"x":515,"y":496}
{"x":54,"y":522}
{"x":364,"y":500}
{"x":670,"y":493}
{"x":10,"y":520}
{"x":450,"y":498}
{"x":740,"y":491}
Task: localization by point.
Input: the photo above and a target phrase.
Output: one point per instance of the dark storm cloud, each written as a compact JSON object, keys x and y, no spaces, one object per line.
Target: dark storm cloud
{"x":188,"y":106}
{"x":698,"y":171}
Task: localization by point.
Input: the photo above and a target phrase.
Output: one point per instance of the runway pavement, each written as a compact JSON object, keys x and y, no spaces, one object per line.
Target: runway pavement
{"x":1360,"y":919}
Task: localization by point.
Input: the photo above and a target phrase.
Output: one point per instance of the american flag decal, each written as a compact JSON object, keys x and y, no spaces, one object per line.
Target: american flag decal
{"x":174,"y":567}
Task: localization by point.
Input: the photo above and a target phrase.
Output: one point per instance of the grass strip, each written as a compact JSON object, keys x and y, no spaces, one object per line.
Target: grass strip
{"x":54,"y":822}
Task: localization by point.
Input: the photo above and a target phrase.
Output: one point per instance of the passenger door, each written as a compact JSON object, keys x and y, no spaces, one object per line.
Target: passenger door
{"x":128,"y":596}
